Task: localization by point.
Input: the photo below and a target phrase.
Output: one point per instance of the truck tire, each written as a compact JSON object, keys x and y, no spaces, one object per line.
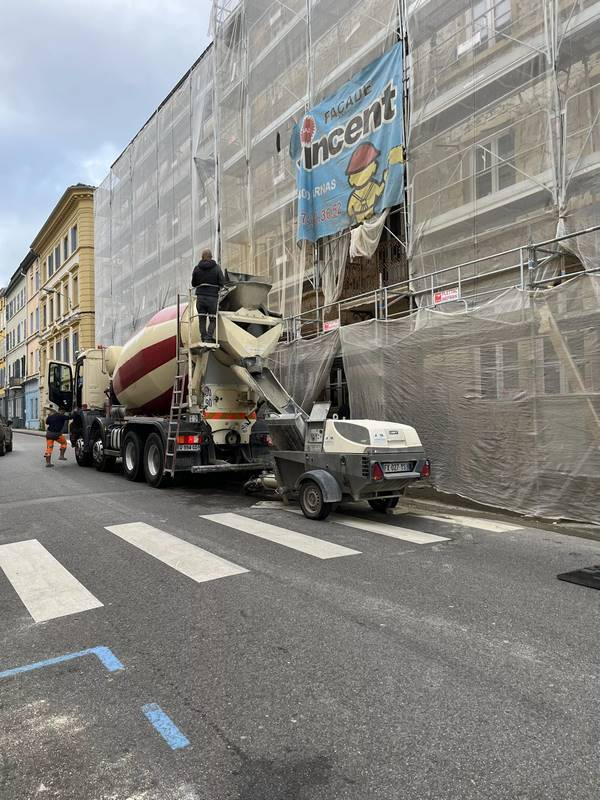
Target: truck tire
{"x":102,"y":462}
{"x":154,"y":460}
{"x":383,"y":504}
{"x":132,"y":457}
{"x":2,"y":448}
{"x":9,"y":446}
{"x":82,"y":457}
{"x":311,"y":501}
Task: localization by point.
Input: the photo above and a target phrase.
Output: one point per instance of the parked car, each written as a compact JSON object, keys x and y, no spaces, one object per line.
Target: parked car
{"x":6,"y":435}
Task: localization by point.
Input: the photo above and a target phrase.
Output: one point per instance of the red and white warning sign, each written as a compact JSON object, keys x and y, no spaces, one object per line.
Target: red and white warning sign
{"x":446,"y":296}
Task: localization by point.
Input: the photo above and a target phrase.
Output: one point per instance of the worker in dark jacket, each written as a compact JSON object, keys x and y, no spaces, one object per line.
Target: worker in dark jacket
{"x":207,"y":279}
{"x":55,"y":422}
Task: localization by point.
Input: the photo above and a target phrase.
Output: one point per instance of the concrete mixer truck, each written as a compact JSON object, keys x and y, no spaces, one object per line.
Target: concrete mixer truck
{"x":166,"y":402}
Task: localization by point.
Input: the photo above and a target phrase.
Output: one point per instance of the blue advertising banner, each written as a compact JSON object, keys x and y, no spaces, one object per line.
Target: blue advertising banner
{"x":349,"y":151}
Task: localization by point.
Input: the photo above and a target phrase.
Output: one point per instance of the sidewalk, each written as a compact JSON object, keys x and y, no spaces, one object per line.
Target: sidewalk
{"x":29,"y":432}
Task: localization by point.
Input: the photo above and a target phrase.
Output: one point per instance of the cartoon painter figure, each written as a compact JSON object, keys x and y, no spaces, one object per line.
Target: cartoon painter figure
{"x":361,"y":170}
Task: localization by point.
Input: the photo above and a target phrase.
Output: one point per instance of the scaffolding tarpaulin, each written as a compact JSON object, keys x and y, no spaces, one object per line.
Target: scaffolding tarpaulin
{"x":348,"y":151}
{"x":503,"y":134}
{"x":303,"y":367}
{"x":505,"y":396}
{"x":156,"y":210}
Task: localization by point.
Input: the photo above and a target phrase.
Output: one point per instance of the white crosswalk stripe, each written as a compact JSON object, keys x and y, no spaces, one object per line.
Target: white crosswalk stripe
{"x":370,"y":526}
{"x":472,"y":522}
{"x":46,"y":588}
{"x":190,"y":560}
{"x":319,"y":548}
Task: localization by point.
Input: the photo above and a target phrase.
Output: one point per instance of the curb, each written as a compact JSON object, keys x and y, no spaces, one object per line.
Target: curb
{"x":28,"y":432}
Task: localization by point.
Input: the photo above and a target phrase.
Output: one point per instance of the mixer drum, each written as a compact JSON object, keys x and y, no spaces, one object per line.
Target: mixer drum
{"x":145,"y":369}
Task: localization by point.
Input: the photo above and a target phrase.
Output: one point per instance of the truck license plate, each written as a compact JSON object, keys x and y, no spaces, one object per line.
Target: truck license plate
{"x":398,"y":466}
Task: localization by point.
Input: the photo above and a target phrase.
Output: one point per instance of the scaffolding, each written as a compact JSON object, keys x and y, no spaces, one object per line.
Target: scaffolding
{"x":156,"y":210}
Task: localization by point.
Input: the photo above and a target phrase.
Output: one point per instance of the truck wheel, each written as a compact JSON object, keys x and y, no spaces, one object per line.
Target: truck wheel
{"x":2,"y":448}
{"x":311,"y":501}
{"x":383,"y":504}
{"x":83,"y":458}
{"x":102,"y":462}
{"x":132,"y":457}
{"x":154,"y":461}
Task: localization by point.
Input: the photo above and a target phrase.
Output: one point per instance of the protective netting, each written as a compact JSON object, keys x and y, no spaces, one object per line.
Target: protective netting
{"x":504,"y":131}
{"x":274,"y":60}
{"x":303,"y":367}
{"x":156,"y":210}
{"x":505,"y":396}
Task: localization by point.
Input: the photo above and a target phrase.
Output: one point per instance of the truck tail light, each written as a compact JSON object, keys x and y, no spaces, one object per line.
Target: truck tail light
{"x":426,"y":469}
{"x":376,"y":472}
{"x":189,"y":439}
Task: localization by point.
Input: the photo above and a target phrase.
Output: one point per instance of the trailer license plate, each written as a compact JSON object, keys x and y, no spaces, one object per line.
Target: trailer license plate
{"x":181,"y":447}
{"x":398,"y":466}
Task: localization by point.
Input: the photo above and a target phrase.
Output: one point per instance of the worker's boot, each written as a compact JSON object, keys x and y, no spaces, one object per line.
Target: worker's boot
{"x":49,"y":461}
{"x":62,"y":456}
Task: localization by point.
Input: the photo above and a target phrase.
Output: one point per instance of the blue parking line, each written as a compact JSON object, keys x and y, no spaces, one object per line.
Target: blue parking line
{"x":106,"y":657}
{"x":165,"y":726}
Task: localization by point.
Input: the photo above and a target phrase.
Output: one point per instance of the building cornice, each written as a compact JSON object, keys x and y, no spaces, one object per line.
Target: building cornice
{"x":59,"y":213}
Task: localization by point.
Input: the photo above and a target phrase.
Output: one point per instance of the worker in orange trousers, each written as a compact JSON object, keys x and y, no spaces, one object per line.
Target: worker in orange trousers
{"x":54,"y":433}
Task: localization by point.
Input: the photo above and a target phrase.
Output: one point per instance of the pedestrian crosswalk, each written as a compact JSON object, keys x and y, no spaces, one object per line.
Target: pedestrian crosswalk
{"x":46,"y":588}
{"x":49,"y":591}
{"x":319,"y":548}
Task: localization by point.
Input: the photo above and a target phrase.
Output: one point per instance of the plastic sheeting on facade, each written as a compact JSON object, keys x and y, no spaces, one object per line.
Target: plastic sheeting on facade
{"x":504,"y":132}
{"x":156,"y":210}
{"x":505,"y":396}
{"x":303,"y":366}
{"x":274,"y":60}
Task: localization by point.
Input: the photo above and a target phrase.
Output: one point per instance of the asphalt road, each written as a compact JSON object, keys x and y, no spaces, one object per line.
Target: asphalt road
{"x":450,"y":669}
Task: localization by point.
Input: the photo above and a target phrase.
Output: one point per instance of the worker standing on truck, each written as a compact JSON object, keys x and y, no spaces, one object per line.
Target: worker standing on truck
{"x":55,"y":422}
{"x":207,"y":279}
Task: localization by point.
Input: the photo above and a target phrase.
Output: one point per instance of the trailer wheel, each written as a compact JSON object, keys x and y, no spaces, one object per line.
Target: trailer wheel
{"x":384,"y":504}
{"x":154,"y":461}
{"x":132,"y":457}
{"x":311,"y":501}
{"x":102,"y":462}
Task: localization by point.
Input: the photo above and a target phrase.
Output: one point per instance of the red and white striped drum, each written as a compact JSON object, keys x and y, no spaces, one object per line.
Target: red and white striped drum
{"x":146,"y":366}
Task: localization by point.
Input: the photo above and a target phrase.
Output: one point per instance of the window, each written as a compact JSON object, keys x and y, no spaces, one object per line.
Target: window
{"x":57,"y":349}
{"x":57,"y":302}
{"x":57,"y":256}
{"x":45,"y":315}
{"x":31,"y":328}
{"x":37,"y":319}
{"x":490,"y":18}
{"x":75,"y":291}
{"x":73,"y":239}
{"x":494,"y":160}
{"x":65,"y":248}
{"x":66,"y":297}
{"x":37,"y":360}
{"x":37,"y":280}
{"x":51,"y":310}
{"x":75,"y":343}
{"x":66,"y":349}
{"x":23,"y":366}
{"x":50,"y":264}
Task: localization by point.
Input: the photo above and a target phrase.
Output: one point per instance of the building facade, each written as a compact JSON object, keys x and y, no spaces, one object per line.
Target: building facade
{"x":2,"y":352}
{"x":31,"y":386}
{"x":16,"y":342}
{"x":65,"y":251}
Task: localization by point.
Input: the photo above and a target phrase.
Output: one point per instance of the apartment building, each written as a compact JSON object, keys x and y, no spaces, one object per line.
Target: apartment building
{"x":3,"y":380}
{"x":16,"y":342}
{"x":274,"y":60}
{"x":65,"y":251}
{"x":156,"y":210}
{"x":504,"y":135}
{"x":32,"y":364}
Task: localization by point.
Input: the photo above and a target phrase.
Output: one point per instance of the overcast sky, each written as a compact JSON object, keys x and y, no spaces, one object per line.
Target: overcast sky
{"x":78,"y":78}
